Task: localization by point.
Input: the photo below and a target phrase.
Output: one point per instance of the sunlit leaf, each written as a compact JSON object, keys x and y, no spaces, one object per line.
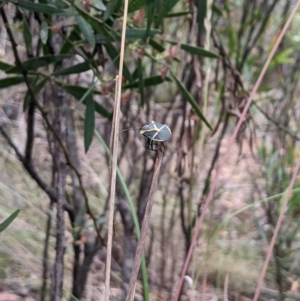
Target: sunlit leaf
{"x":89,"y":120}
{"x":188,"y":96}
{"x":44,"y":32}
{"x":9,"y":220}
{"x":86,"y":30}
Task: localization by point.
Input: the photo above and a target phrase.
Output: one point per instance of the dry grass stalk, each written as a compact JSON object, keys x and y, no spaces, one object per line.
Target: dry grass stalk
{"x":114,"y":157}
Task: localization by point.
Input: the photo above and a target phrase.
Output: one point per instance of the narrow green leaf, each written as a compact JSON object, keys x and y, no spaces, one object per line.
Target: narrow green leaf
{"x":190,"y":99}
{"x":67,"y":46}
{"x":9,"y":220}
{"x":115,"y":57}
{"x":150,"y":13}
{"x":140,"y":33}
{"x":89,"y":121}
{"x":11,"y":81}
{"x":166,"y":9}
{"x":149,"y":81}
{"x":44,"y":32}
{"x":81,"y":67}
{"x":201,"y":13}
{"x":37,"y":62}
{"x":217,"y":10}
{"x":4,"y":66}
{"x":27,"y":36}
{"x":141,"y":81}
{"x":37,"y":88}
{"x":39,"y":7}
{"x":135,"y":5}
{"x":100,"y":5}
{"x":157,"y":46}
{"x":86,"y":30}
{"x":196,"y":50}
{"x":179,"y":14}
{"x":78,"y":92}
{"x":110,"y":8}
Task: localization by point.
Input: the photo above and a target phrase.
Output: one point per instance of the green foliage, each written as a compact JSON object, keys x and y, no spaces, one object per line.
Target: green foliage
{"x":9,"y":220}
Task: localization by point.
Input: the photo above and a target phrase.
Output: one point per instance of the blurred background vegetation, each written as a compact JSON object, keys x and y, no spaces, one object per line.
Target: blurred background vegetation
{"x":189,"y":64}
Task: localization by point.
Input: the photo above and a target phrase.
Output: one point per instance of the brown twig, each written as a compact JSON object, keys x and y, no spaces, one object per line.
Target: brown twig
{"x":224,"y":158}
{"x":144,"y":230}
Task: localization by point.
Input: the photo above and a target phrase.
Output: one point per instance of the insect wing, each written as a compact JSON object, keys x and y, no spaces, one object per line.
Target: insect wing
{"x":164,"y":134}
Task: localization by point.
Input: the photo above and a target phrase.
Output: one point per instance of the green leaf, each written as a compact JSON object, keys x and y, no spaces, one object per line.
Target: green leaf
{"x":149,"y":81}
{"x":9,"y":220}
{"x":4,"y":66}
{"x":115,"y":57}
{"x":141,"y":81}
{"x":283,"y":57}
{"x":86,"y":30}
{"x":110,"y":8}
{"x":89,"y":120}
{"x":37,"y":62}
{"x":27,"y":36}
{"x":81,"y":67}
{"x":196,"y":50}
{"x":190,"y":99}
{"x":157,"y":46}
{"x":135,"y":5}
{"x":179,"y":14}
{"x":201,"y":13}
{"x":217,"y":10}
{"x":11,"y":81}
{"x":78,"y":92}
{"x":39,"y":7}
{"x":67,"y":46}
{"x":140,"y":33}
{"x":166,"y":9}
{"x":37,"y":88}
{"x":44,"y":32}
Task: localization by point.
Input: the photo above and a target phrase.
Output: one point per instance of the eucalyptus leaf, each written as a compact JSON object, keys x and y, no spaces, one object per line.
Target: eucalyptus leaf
{"x":188,"y":96}
{"x":44,"y":32}
{"x":27,"y":36}
{"x":89,"y":120}
{"x":78,"y":92}
{"x":11,"y":81}
{"x":9,"y":220}
{"x":39,"y":7}
{"x":147,"y":82}
{"x":78,"y":68}
{"x":37,"y":62}
{"x":86,"y":30}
